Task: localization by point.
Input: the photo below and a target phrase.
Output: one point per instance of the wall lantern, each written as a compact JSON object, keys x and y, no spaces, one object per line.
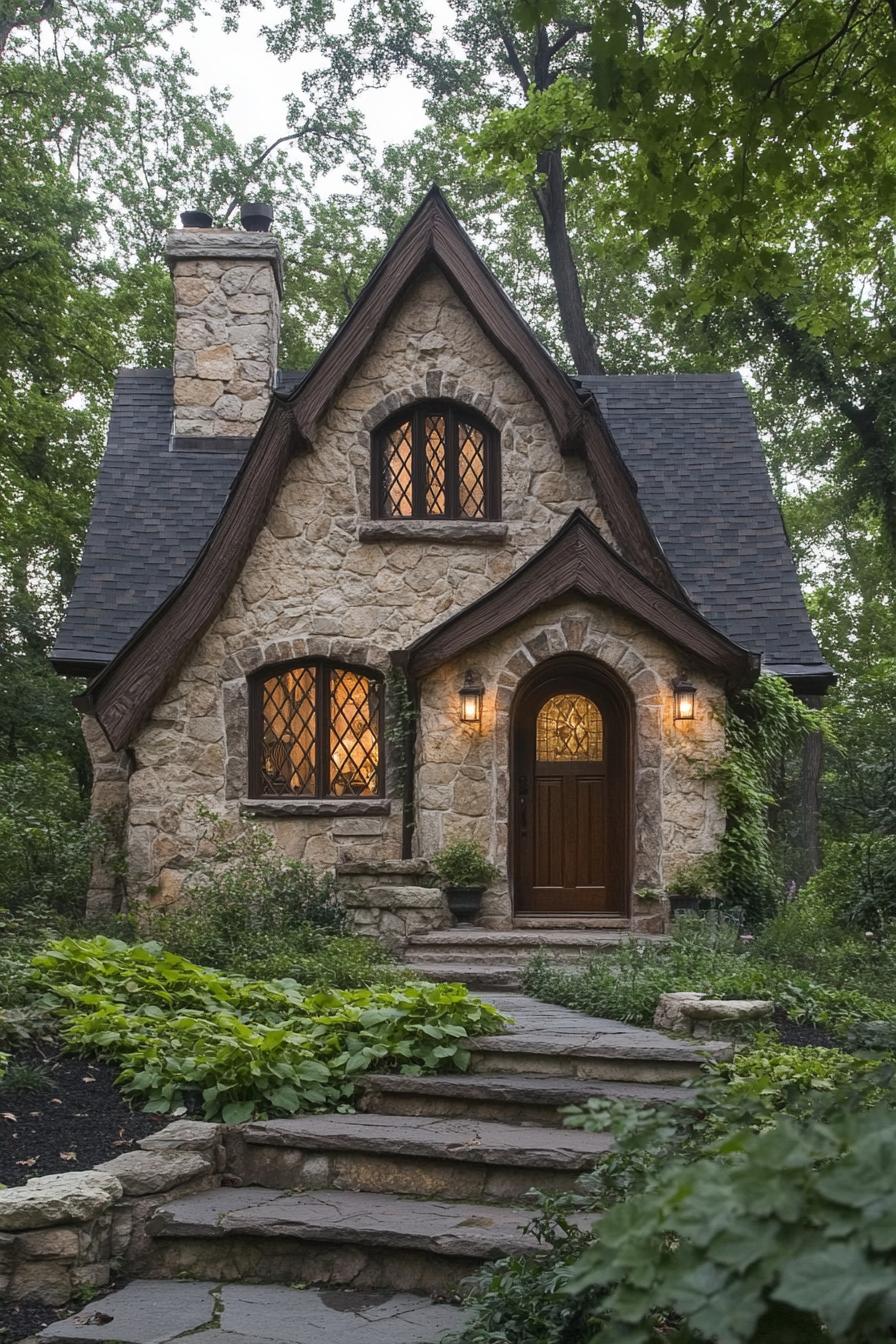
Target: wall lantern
{"x":684,"y":696}
{"x":471,"y":694}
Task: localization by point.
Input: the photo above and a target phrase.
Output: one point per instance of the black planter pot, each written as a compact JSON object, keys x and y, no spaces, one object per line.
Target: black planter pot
{"x":195,"y":219}
{"x":464,"y":903}
{"x":256,"y":216}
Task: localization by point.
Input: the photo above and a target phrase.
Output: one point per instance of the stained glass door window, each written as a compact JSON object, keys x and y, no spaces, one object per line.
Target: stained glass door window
{"x":569,"y":728}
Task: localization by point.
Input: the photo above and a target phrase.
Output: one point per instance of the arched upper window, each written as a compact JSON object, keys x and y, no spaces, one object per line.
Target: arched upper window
{"x":316,"y":731}
{"x":435,"y":460}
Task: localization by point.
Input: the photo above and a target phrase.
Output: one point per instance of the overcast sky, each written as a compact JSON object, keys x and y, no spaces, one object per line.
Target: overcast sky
{"x":258,"y":82}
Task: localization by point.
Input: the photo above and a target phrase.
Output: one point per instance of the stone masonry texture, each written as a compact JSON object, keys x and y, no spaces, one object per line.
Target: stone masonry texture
{"x":227,"y":327}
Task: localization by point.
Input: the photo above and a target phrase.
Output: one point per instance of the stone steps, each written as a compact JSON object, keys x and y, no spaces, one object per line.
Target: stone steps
{"x":473,"y":948}
{"x":158,"y":1311}
{"x":522,"y":1099}
{"x":429,"y":1156}
{"x":477,"y":977}
{"x":551,"y":1041}
{"x":340,"y":1237}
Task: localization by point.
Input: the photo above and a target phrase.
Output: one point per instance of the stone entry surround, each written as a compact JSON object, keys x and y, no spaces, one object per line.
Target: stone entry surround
{"x":379,"y":1210}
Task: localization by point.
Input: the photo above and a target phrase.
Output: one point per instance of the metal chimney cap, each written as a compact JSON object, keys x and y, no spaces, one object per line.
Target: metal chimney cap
{"x":256,"y":216}
{"x":195,"y":219}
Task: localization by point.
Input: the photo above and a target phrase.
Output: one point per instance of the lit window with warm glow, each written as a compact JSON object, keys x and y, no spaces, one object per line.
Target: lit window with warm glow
{"x":436,"y":460}
{"x":569,"y":728}
{"x":317,"y":730}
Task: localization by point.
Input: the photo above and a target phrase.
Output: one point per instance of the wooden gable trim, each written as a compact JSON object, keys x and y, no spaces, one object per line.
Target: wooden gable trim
{"x":433,"y":234}
{"x":123,"y":694}
{"x":578,"y":561}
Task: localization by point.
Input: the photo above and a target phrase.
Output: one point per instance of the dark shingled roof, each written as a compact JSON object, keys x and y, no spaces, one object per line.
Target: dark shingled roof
{"x":689,"y":439}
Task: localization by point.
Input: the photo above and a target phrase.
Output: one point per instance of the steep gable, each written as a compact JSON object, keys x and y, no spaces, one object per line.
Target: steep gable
{"x":124,"y":692}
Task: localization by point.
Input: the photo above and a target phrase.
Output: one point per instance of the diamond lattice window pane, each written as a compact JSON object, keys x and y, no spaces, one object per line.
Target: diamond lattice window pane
{"x":398,"y":480}
{"x":289,"y":746}
{"x":471,"y":471}
{"x":434,"y":435}
{"x":569,"y":728}
{"x":354,"y":734}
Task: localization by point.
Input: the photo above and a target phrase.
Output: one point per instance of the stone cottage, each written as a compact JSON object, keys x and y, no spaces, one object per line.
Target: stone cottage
{"x":431,"y":588}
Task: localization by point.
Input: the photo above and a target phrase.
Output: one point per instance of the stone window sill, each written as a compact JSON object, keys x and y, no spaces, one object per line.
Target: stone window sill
{"x":316,"y":807}
{"x":425,"y":529}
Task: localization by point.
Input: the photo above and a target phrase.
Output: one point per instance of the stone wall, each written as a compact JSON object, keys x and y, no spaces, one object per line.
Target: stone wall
{"x":321,"y":581}
{"x":227,"y":289}
{"x":67,"y":1234}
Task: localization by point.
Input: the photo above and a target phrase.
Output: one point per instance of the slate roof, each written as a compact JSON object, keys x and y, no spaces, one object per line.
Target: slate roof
{"x":689,"y":439}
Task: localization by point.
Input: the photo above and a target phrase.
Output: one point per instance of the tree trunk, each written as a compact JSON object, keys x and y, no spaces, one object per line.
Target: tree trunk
{"x":810,"y":794}
{"x":550,"y":193}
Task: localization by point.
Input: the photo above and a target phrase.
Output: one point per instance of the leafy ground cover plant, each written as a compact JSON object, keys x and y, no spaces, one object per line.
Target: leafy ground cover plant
{"x":704,"y":956}
{"x":789,"y":1238}
{"x":188,"y":1036}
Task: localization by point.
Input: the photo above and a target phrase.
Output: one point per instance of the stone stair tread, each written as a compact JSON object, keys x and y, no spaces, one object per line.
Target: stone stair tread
{"x":535,"y":938}
{"x":157,"y":1311}
{"x":621,"y":1045}
{"x":436,"y":1138}
{"x":539,"y":1028}
{"x":526,"y":1089}
{"x":438,"y":1227}
{"x":464,"y":971}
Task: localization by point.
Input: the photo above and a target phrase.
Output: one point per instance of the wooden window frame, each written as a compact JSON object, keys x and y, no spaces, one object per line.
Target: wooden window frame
{"x":454,"y":413}
{"x":323,"y":668}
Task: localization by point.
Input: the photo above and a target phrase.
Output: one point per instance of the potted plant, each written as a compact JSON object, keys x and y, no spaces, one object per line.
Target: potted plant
{"x":465,"y":873}
{"x":692,"y":890}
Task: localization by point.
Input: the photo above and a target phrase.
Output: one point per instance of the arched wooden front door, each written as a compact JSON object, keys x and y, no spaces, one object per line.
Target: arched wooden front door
{"x":570,"y":792}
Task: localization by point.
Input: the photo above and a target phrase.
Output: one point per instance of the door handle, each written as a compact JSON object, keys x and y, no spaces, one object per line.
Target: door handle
{"x":524,"y":799}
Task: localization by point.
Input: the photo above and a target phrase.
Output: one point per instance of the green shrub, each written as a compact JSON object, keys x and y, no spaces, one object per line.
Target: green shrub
{"x":249,"y":909}
{"x":463,"y":864}
{"x":858,"y":881}
{"x":46,"y":841}
{"x":185,"y":1035}
{"x":871,"y":1039}
{"x":704,"y":956}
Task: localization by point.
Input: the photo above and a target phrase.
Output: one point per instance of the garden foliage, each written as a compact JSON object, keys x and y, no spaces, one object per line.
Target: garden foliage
{"x":789,"y":1238}
{"x":704,"y":956}
{"x":187,"y":1036}
{"x":248,"y":909}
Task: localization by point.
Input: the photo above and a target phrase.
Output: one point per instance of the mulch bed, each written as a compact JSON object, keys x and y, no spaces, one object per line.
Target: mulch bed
{"x":21,"y":1320}
{"x":803,"y":1033}
{"x":77,"y":1120}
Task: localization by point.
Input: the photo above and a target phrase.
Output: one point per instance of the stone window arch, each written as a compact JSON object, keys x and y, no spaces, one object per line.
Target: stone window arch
{"x":316,"y":731}
{"x":436,"y":459}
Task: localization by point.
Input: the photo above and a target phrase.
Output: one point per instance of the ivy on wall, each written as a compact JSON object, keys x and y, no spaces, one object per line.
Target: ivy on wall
{"x":764,"y":724}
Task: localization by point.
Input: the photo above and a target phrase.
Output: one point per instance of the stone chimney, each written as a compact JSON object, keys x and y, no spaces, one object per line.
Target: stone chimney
{"x":227,"y":290}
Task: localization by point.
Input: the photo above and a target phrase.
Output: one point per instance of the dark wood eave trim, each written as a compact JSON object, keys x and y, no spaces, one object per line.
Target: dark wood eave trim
{"x":433,"y":234}
{"x":578,"y":560}
{"x":123,"y":694}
